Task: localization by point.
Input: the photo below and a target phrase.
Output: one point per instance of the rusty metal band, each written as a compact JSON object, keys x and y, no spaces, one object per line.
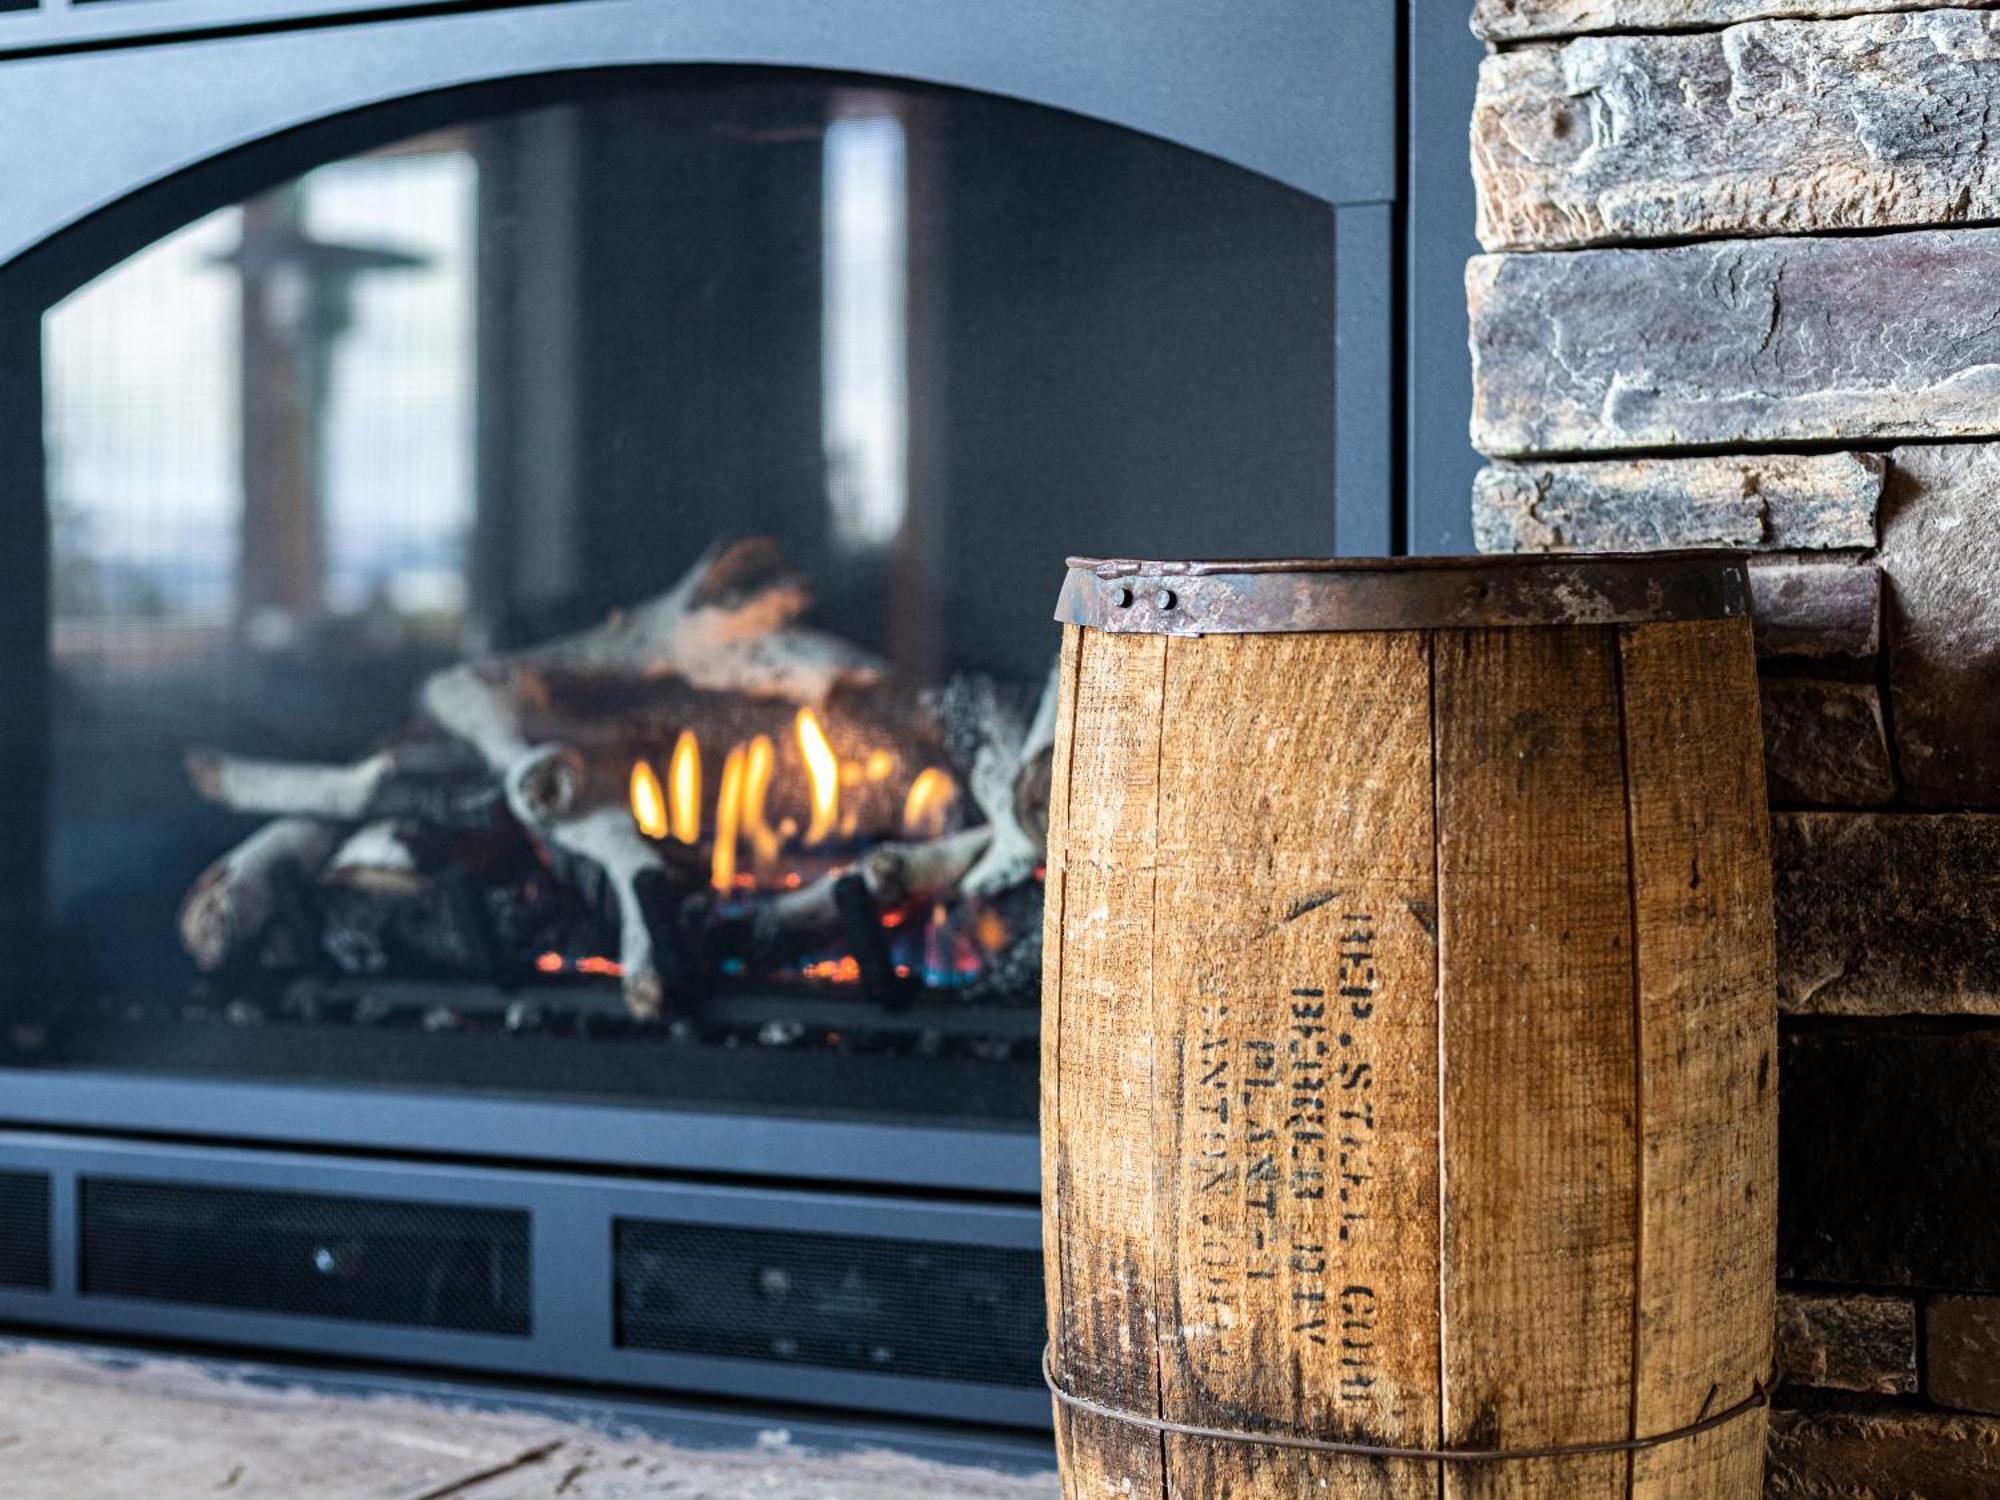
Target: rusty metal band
{"x":1260,"y":597}
{"x":1760,"y":1396}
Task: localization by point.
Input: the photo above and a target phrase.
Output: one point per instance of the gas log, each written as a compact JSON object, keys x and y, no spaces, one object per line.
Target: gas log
{"x":540,"y":760}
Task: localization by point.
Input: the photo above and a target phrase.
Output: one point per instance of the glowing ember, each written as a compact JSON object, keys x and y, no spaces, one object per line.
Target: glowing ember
{"x":728,"y":818}
{"x":824,"y":772}
{"x":555,"y":963}
{"x":990,"y":930}
{"x":649,"y":806}
{"x":684,"y":782}
{"x":843,"y":970}
{"x":880,"y":764}
{"x":929,"y":803}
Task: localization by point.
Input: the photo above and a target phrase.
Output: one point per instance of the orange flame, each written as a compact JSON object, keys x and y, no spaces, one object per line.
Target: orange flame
{"x":761,"y":760}
{"x":823,"y":770}
{"x":649,"y":806}
{"x":684,"y":788}
{"x":728,"y":817}
{"x":929,"y":801}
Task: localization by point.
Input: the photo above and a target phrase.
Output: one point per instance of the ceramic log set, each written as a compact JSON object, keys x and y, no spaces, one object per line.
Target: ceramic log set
{"x":1409,"y":1030}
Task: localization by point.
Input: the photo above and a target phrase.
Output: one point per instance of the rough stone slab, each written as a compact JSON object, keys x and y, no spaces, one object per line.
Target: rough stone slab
{"x":1941,"y":554}
{"x":1887,"y":913}
{"x":1825,"y":744}
{"x":1823,"y":614}
{"x":1789,"y":500}
{"x":1962,"y":1336}
{"x":1737,"y":343}
{"x":1889,"y":1157}
{"x":1848,"y":1342}
{"x":1518,"y":20}
{"x":1882,"y":1454}
{"x":1773,"y":127}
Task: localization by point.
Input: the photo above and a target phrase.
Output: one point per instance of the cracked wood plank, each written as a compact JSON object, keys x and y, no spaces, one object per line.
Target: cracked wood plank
{"x":1707,"y":1037}
{"x":1297,"y":1131}
{"x":1737,"y":342}
{"x":1537,"y":1035}
{"x":1097,"y":1137}
{"x":1772,"y":127}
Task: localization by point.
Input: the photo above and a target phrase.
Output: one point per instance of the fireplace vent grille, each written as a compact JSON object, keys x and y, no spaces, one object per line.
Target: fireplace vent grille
{"x":24,"y":1230}
{"x":371,"y":1260}
{"x":920,"y":1308}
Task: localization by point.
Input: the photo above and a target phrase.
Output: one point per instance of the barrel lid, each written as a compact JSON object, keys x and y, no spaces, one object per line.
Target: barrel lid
{"x":1257,"y":596}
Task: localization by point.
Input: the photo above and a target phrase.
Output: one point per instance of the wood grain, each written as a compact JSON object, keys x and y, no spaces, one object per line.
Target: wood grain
{"x":1707,"y":998}
{"x":1535,"y":979}
{"x":1099,"y":1149}
{"x":1295,"y":1006}
{"x":1408,"y":1046}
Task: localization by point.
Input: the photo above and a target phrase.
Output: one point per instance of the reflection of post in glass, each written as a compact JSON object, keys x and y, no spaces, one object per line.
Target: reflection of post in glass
{"x":866,"y":271}
{"x":297,"y":304}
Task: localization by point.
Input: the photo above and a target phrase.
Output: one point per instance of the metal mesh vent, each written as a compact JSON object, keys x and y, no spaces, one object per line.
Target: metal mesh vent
{"x":849,"y":1302}
{"x":369,"y":1260}
{"x":24,"y":1230}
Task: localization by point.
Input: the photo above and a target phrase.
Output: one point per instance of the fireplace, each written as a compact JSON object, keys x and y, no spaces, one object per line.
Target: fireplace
{"x":529,"y":622}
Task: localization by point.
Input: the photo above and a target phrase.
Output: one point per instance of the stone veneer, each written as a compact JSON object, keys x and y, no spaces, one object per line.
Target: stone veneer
{"x":1729,"y":303}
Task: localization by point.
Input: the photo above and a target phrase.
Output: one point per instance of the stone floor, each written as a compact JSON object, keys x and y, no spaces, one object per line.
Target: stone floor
{"x":86,"y":1425}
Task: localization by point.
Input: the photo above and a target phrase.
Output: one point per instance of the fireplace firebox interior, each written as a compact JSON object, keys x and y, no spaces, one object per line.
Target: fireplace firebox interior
{"x":559,"y":604}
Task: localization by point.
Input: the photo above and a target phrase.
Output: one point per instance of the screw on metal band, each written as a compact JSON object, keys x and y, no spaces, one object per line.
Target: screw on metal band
{"x":1760,"y":1396}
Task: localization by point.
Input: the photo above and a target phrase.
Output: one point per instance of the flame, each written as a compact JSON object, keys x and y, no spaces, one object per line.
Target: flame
{"x":684,"y":782}
{"x":880,"y":764}
{"x":649,"y":806}
{"x":728,"y":815}
{"x":824,"y":771}
{"x":549,"y":963}
{"x":761,"y":760}
{"x":929,"y":801}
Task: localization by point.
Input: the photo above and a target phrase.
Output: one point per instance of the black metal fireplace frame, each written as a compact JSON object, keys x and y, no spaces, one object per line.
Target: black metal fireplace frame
{"x":121,"y":120}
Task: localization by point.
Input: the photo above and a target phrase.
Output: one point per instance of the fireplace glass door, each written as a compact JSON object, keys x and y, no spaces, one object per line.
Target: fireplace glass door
{"x":560,"y":604}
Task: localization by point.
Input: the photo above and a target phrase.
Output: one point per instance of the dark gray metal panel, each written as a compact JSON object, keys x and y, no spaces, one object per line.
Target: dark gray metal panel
{"x":795,"y":1148}
{"x":571,"y":1269}
{"x":1300,"y":90}
{"x":1444,"y":74}
{"x":1364,"y":391}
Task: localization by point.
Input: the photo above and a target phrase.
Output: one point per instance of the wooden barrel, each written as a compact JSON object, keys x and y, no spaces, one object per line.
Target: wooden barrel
{"x":1409,"y":1030}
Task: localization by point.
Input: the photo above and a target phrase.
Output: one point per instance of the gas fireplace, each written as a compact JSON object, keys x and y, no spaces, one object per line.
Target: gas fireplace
{"x":560,"y":602}
{"x":736,"y":826}
{"x":530,"y":655}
